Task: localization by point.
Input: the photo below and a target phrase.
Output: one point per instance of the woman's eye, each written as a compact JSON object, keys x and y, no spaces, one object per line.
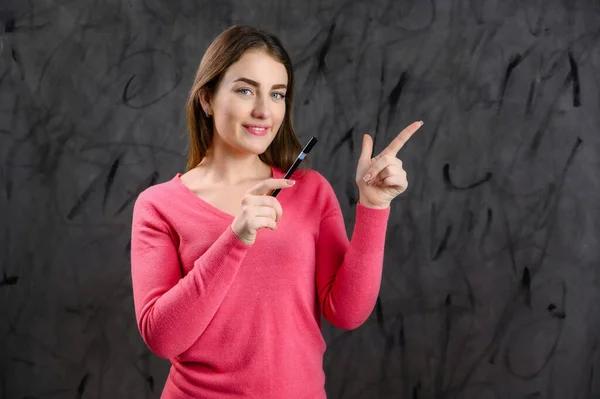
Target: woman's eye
{"x":244,"y":91}
{"x":280,"y":95}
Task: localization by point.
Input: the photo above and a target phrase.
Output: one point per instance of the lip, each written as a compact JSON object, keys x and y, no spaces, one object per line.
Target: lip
{"x":252,"y":129}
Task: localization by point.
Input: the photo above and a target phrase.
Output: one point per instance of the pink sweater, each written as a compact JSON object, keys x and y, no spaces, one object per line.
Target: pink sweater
{"x":243,"y":321}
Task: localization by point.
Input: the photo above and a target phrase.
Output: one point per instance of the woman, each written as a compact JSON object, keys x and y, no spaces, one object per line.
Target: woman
{"x":228,"y":286}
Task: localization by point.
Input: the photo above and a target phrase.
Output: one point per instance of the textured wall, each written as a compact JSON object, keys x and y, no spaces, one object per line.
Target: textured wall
{"x":490,"y":287}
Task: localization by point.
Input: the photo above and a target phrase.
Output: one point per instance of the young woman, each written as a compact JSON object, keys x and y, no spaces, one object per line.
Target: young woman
{"x":230,"y":283}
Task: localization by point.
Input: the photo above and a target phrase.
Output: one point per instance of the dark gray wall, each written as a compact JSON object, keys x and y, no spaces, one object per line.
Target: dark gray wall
{"x":490,"y":287}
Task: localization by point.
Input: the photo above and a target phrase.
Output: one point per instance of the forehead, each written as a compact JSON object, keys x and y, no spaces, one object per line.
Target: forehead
{"x":259,"y":66}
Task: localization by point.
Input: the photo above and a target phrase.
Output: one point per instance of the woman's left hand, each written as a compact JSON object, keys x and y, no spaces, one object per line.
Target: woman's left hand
{"x":381,"y":179}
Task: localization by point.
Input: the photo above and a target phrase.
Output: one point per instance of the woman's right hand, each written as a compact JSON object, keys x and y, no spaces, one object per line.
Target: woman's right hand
{"x":259,"y":210}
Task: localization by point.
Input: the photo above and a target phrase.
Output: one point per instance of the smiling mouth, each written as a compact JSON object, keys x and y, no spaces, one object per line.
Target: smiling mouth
{"x":256,"y":130}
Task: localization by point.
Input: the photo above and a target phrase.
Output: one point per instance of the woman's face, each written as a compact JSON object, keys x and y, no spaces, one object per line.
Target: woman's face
{"x":249,"y":103}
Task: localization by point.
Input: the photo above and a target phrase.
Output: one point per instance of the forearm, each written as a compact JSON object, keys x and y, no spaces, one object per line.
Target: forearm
{"x":172,"y":312}
{"x":352,"y":291}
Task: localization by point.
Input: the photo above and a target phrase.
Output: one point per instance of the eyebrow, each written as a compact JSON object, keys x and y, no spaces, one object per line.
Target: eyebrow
{"x":256,"y":84}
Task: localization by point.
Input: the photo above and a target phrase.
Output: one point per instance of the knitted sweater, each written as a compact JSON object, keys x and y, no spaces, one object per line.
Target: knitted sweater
{"x":243,"y":321}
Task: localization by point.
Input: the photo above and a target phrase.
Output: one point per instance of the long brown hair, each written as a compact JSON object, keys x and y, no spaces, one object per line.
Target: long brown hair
{"x":225,"y":50}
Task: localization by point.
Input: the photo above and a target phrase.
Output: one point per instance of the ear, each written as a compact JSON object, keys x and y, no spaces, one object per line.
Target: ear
{"x":205,"y":101}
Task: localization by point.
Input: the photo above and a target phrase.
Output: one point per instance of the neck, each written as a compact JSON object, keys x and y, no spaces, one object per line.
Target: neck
{"x":224,"y":167}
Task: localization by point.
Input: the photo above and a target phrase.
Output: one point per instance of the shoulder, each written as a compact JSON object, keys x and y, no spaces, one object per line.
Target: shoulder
{"x":316,"y":188}
{"x":313,"y":179}
{"x":310,"y":175}
{"x":157,"y":196}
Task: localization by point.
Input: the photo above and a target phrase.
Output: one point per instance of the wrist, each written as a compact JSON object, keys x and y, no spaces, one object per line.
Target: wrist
{"x":373,"y":206}
{"x":240,"y":235}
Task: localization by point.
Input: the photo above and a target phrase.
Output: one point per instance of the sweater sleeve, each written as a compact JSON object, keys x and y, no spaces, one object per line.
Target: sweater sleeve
{"x":349,"y":273}
{"x":173,"y":311}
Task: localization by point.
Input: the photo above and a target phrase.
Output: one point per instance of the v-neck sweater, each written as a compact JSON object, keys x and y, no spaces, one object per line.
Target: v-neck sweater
{"x":244,"y":321}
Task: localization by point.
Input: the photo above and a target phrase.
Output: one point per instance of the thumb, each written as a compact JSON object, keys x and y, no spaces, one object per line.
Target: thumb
{"x":367,"y":151}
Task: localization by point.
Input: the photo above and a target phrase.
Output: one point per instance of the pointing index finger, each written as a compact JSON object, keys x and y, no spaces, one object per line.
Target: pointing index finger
{"x":402,"y":138}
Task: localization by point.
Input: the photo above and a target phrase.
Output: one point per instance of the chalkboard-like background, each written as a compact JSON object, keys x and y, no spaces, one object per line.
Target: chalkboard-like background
{"x":490,"y":287}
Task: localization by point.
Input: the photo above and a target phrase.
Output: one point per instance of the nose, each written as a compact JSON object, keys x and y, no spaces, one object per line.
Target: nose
{"x":262,"y":108}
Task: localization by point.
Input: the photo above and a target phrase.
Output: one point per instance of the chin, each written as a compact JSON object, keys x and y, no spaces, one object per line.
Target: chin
{"x":254,"y":149}
{"x":260,"y":146}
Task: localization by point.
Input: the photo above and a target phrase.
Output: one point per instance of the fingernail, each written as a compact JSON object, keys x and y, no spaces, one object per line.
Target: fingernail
{"x":291,"y":182}
{"x":421,"y":122}
{"x":367,"y":177}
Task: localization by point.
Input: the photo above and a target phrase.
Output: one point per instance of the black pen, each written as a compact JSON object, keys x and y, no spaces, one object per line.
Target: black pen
{"x":311,"y":143}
